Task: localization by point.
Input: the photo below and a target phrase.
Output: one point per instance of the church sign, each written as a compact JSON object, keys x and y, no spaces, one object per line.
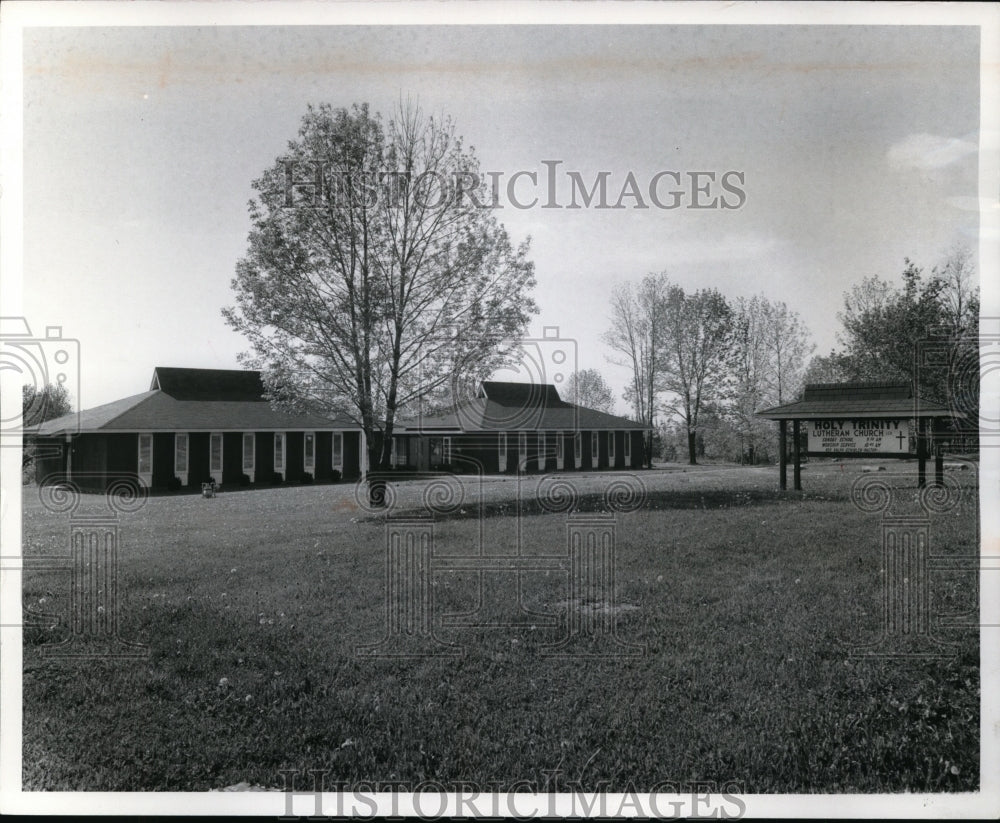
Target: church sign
{"x":871,"y":420}
{"x":861,"y":435}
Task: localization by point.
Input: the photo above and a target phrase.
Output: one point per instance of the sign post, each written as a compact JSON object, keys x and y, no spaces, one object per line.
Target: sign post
{"x":921,"y":455}
{"x":938,"y":430}
{"x":796,"y":457}
{"x":782,"y":454}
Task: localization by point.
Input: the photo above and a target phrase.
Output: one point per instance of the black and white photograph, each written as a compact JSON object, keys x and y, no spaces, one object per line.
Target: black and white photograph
{"x":500,"y":410}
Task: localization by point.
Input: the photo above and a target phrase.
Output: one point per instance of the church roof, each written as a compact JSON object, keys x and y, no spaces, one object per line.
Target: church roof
{"x":517,"y":407}
{"x":193,"y":400}
{"x":208,"y":384}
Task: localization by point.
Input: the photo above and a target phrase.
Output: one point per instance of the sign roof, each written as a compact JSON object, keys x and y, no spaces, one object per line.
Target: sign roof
{"x":846,"y":400}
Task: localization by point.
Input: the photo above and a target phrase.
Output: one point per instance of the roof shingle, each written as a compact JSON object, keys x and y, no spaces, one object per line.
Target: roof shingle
{"x":193,"y":400}
{"x":518,"y":407}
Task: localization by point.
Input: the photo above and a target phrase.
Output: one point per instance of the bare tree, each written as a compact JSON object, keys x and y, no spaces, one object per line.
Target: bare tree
{"x":789,"y":346}
{"x":753,"y":372}
{"x":959,"y":294}
{"x":637,"y":316}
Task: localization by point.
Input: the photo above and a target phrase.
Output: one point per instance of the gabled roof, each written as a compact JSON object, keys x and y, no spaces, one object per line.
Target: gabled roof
{"x":521,"y":395}
{"x":843,"y":400}
{"x":208,"y":384}
{"x":193,"y":400}
{"x":517,"y":407}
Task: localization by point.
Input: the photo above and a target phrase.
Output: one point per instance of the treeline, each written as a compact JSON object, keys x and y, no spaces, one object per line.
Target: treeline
{"x":702,"y":365}
{"x":924,"y":331}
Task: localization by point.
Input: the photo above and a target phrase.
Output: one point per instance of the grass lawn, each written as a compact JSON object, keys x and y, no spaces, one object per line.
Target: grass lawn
{"x":747,"y":602}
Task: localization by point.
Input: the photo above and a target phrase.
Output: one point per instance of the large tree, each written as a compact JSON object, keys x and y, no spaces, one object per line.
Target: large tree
{"x":883,"y":324}
{"x":695,"y":356}
{"x":376,"y":271}
{"x":769,"y":348}
{"x":789,"y":345}
{"x":588,"y":388}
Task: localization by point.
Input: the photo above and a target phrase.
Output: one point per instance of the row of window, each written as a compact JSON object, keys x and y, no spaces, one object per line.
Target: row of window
{"x":441,"y":449}
{"x":249,"y":454}
{"x":309,"y":451}
{"x":522,"y":446}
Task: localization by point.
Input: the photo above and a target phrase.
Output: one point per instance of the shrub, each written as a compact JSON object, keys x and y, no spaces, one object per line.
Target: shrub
{"x":174,"y":484}
{"x":306,"y":477}
{"x":335,"y":476}
{"x":245,"y":480}
{"x":277,"y":478}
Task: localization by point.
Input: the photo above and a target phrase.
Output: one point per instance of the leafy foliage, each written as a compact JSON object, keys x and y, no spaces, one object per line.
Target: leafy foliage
{"x":769,"y":347}
{"x":361,"y":290}
{"x":696,"y":355}
{"x":885,"y":326}
{"x":37,"y":406}
{"x":588,"y":388}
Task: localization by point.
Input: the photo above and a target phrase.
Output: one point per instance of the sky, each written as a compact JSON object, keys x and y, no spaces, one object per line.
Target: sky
{"x":857,"y":146}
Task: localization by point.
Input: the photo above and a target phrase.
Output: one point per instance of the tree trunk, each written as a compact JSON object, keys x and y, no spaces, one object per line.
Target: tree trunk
{"x":376,"y":476}
{"x":377,"y":485}
{"x":692,"y":445}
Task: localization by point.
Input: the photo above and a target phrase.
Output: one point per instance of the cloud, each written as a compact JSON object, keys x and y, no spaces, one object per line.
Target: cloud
{"x":930,"y":151}
{"x":728,"y":247}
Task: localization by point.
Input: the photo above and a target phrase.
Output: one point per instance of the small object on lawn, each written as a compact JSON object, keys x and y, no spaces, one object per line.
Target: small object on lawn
{"x":208,"y":489}
{"x":867,"y":469}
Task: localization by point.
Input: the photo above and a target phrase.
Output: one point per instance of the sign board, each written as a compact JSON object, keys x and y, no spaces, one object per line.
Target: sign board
{"x":862,"y":435}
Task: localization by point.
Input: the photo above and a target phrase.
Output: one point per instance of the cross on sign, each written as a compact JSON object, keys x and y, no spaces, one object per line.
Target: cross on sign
{"x":899,"y":437}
